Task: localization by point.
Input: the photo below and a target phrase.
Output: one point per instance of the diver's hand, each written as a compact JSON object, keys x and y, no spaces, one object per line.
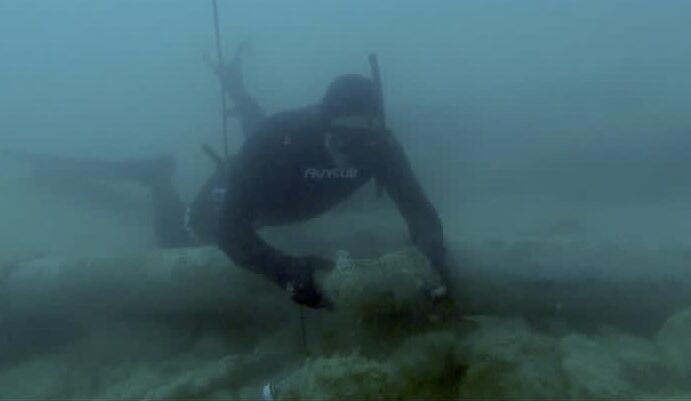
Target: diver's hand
{"x":442,"y":295}
{"x":308,"y":295}
{"x":230,"y":73}
{"x":433,"y":248}
{"x":445,"y":285}
{"x":300,"y":282}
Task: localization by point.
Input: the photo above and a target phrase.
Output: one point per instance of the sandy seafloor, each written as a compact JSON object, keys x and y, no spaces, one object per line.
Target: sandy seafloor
{"x":347,"y":356}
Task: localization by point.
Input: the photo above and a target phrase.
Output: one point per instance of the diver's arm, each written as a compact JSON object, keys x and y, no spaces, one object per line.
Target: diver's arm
{"x":241,"y":243}
{"x":395,"y":174}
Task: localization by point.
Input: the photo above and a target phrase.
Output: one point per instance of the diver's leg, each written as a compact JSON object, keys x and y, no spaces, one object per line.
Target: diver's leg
{"x":145,"y":171}
{"x":169,"y":210}
{"x":205,"y":208}
{"x":155,"y":174}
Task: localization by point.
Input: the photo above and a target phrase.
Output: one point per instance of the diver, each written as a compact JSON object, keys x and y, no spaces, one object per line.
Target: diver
{"x":297,"y":164}
{"x":293,"y":166}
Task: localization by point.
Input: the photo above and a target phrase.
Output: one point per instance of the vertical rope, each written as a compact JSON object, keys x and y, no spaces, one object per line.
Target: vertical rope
{"x":376,"y":79}
{"x":224,"y":106}
{"x":303,"y":331}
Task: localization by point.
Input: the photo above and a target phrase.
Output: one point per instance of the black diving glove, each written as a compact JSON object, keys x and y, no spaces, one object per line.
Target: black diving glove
{"x":443,"y":296}
{"x":298,"y":280}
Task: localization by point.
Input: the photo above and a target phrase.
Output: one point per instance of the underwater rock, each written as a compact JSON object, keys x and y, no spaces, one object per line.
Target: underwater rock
{"x":378,"y":302}
{"x":428,"y":366}
{"x":674,"y":342}
{"x":202,"y":280}
{"x":36,"y":379}
{"x":350,"y":377}
{"x":394,"y":284}
{"x":613,"y":364}
{"x":592,"y":370}
{"x":509,"y":361}
{"x":586,"y":285}
{"x":531,"y":278}
{"x":181,"y":281}
{"x":226,"y":375}
{"x":640,"y":361}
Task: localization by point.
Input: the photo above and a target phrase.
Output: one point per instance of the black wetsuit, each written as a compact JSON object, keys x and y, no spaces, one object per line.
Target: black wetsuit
{"x":284,"y":174}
